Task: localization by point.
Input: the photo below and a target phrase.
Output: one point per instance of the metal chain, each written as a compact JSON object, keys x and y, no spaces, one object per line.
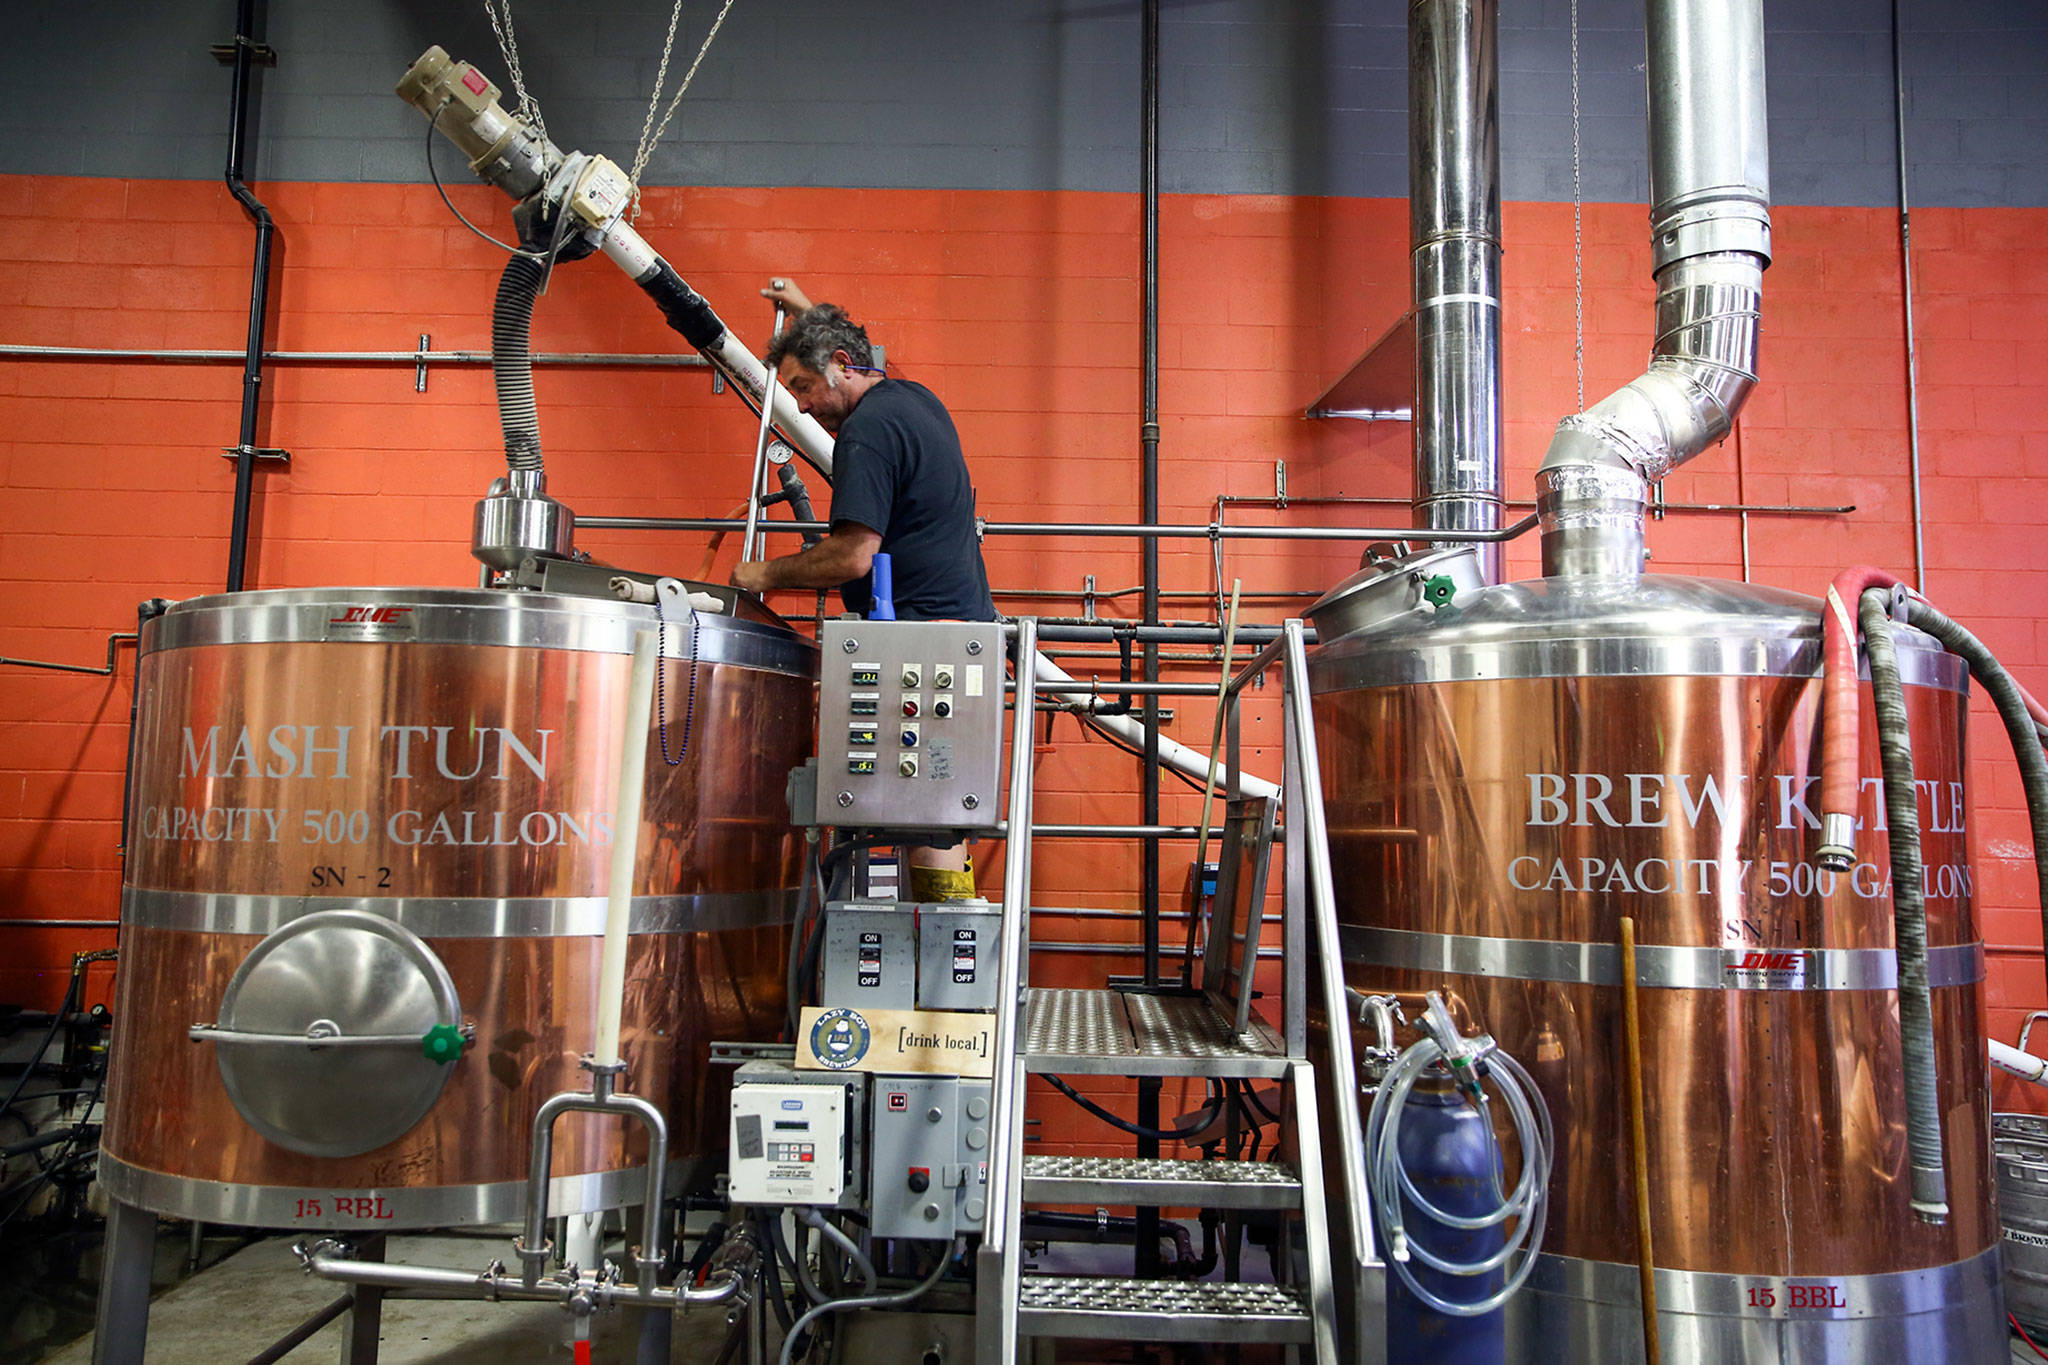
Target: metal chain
{"x":500,"y":12}
{"x":649,"y":143}
{"x":1578,"y":227}
{"x":661,"y":688}
{"x":645,"y":145}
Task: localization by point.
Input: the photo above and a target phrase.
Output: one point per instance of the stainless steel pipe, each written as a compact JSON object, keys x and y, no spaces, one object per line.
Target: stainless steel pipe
{"x":533,"y":1246}
{"x":1454,"y":237}
{"x":1711,"y":241}
{"x":491,"y":1283}
{"x":1139,"y":531}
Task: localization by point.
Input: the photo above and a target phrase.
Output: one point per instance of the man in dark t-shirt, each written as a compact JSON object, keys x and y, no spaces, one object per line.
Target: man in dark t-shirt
{"x":899,"y":487}
{"x":899,"y":481}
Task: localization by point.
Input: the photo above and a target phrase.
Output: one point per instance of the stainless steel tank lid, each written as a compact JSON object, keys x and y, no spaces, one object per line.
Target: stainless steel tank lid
{"x":1392,"y":583}
{"x":472,"y":616}
{"x":1655,"y":625}
{"x":337,"y":1033}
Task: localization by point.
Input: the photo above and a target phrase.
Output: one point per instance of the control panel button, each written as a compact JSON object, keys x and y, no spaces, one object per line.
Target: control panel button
{"x":942,"y":676}
{"x":942,"y":707}
{"x":907,"y":766}
{"x":913,"y":677}
{"x":920,"y":1179}
{"x":910,"y":736}
{"x":910,"y":706}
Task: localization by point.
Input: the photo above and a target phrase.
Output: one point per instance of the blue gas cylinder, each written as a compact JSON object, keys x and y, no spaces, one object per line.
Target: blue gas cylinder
{"x":1451,"y":1155}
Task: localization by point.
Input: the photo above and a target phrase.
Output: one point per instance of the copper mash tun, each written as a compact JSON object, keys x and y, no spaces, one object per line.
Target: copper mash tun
{"x":361,"y":919}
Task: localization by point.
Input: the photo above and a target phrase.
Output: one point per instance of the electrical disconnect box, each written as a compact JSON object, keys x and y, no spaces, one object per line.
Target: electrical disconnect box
{"x":870,"y":955}
{"x":956,"y":955}
{"x":910,"y":724}
{"x":928,"y":1144}
{"x":789,"y":1136}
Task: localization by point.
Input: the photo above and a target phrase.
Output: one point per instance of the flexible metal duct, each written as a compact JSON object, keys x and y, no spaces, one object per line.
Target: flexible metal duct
{"x":1710,"y":223}
{"x":1454,"y":244}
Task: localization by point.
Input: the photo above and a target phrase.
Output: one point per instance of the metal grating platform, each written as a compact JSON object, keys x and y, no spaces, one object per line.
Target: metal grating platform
{"x":1160,"y":1310}
{"x":1076,"y":1023}
{"x":1127,"y":1033}
{"x":1146,"y":1182}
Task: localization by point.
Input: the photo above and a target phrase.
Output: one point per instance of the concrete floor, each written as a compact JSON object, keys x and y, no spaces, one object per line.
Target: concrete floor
{"x":229,"y":1312}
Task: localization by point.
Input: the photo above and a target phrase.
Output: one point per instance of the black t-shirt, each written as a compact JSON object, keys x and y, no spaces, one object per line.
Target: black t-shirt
{"x":897,"y":470}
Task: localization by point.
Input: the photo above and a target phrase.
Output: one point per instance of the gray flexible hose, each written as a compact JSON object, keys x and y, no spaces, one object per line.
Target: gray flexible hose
{"x":1528,"y":1204}
{"x":512,"y":359}
{"x":861,"y":1264}
{"x":2019,"y":725}
{"x":909,"y":1295}
{"x":1909,"y":910}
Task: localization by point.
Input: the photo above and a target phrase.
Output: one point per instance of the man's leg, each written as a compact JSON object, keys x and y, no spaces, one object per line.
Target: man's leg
{"x":940,"y":874}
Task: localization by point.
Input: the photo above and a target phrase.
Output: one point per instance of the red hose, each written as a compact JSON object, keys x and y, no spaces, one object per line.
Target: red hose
{"x":1840,"y":763}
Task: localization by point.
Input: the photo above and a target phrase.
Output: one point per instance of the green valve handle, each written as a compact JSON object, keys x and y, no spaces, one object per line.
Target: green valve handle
{"x":1439,"y":589}
{"x":443,"y":1043}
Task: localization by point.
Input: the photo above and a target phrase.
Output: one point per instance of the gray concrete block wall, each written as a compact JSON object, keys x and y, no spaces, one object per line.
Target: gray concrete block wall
{"x":1304,"y":97}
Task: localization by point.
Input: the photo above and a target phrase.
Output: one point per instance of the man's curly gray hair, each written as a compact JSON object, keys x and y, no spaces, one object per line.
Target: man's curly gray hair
{"x":814,"y":334}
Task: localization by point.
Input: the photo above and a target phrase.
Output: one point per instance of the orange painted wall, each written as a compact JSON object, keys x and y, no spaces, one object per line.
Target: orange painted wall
{"x":1020,"y":309}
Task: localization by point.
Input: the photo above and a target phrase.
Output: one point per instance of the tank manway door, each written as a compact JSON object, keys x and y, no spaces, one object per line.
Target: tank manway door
{"x":337,"y":1033}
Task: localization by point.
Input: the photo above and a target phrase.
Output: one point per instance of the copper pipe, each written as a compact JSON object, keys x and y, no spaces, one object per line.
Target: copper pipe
{"x":1639,"y":1140}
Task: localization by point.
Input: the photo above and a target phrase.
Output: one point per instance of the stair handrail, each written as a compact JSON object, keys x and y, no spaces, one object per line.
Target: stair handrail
{"x":1006,"y":1092}
{"x":1291,"y":643}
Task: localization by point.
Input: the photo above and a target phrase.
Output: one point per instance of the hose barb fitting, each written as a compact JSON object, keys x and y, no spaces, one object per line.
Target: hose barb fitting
{"x":1837,"y":851}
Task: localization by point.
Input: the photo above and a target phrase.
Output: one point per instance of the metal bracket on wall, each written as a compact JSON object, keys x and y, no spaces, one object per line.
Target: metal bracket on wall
{"x":261,"y":454}
{"x":263,"y":54}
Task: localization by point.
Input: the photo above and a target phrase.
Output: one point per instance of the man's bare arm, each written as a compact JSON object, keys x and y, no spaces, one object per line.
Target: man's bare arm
{"x":840,"y":557}
{"x":785,"y":292}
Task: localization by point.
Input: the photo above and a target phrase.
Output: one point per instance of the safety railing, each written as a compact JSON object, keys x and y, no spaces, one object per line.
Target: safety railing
{"x":1303,"y":803}
{"x":998,"y":1263}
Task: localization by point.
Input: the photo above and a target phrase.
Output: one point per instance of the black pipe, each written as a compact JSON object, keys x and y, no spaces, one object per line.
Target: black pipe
{"x":49,"y":1138}
{"x":259,"y":291}
{"x":2019,"y":725}
{"x":1929,"y":1193}
{"x":304,"y":1332}
{"x":1148,"y":513}
{"x":798,"y":497}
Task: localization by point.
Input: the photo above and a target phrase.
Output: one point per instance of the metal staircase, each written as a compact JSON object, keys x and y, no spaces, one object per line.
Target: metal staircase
{"x":1133,"y":1033}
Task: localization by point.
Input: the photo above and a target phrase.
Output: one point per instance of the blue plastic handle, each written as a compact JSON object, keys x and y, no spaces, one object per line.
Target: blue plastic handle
{"x":883,"y":607}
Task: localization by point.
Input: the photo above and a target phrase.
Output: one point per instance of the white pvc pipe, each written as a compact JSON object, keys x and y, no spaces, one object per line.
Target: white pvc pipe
{"x":611,"y":976}
{"x":628,"y":250}
{"x":2024,"y":1065}
{"x":1130,"y":731}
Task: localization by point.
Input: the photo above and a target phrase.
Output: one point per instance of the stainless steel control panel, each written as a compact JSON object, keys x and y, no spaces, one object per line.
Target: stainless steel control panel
{"x":910,"y":724}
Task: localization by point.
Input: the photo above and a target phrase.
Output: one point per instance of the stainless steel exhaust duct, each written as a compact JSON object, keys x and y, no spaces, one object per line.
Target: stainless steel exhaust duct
{"x":1454,"y":242}
{"x":1710,"y":223}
